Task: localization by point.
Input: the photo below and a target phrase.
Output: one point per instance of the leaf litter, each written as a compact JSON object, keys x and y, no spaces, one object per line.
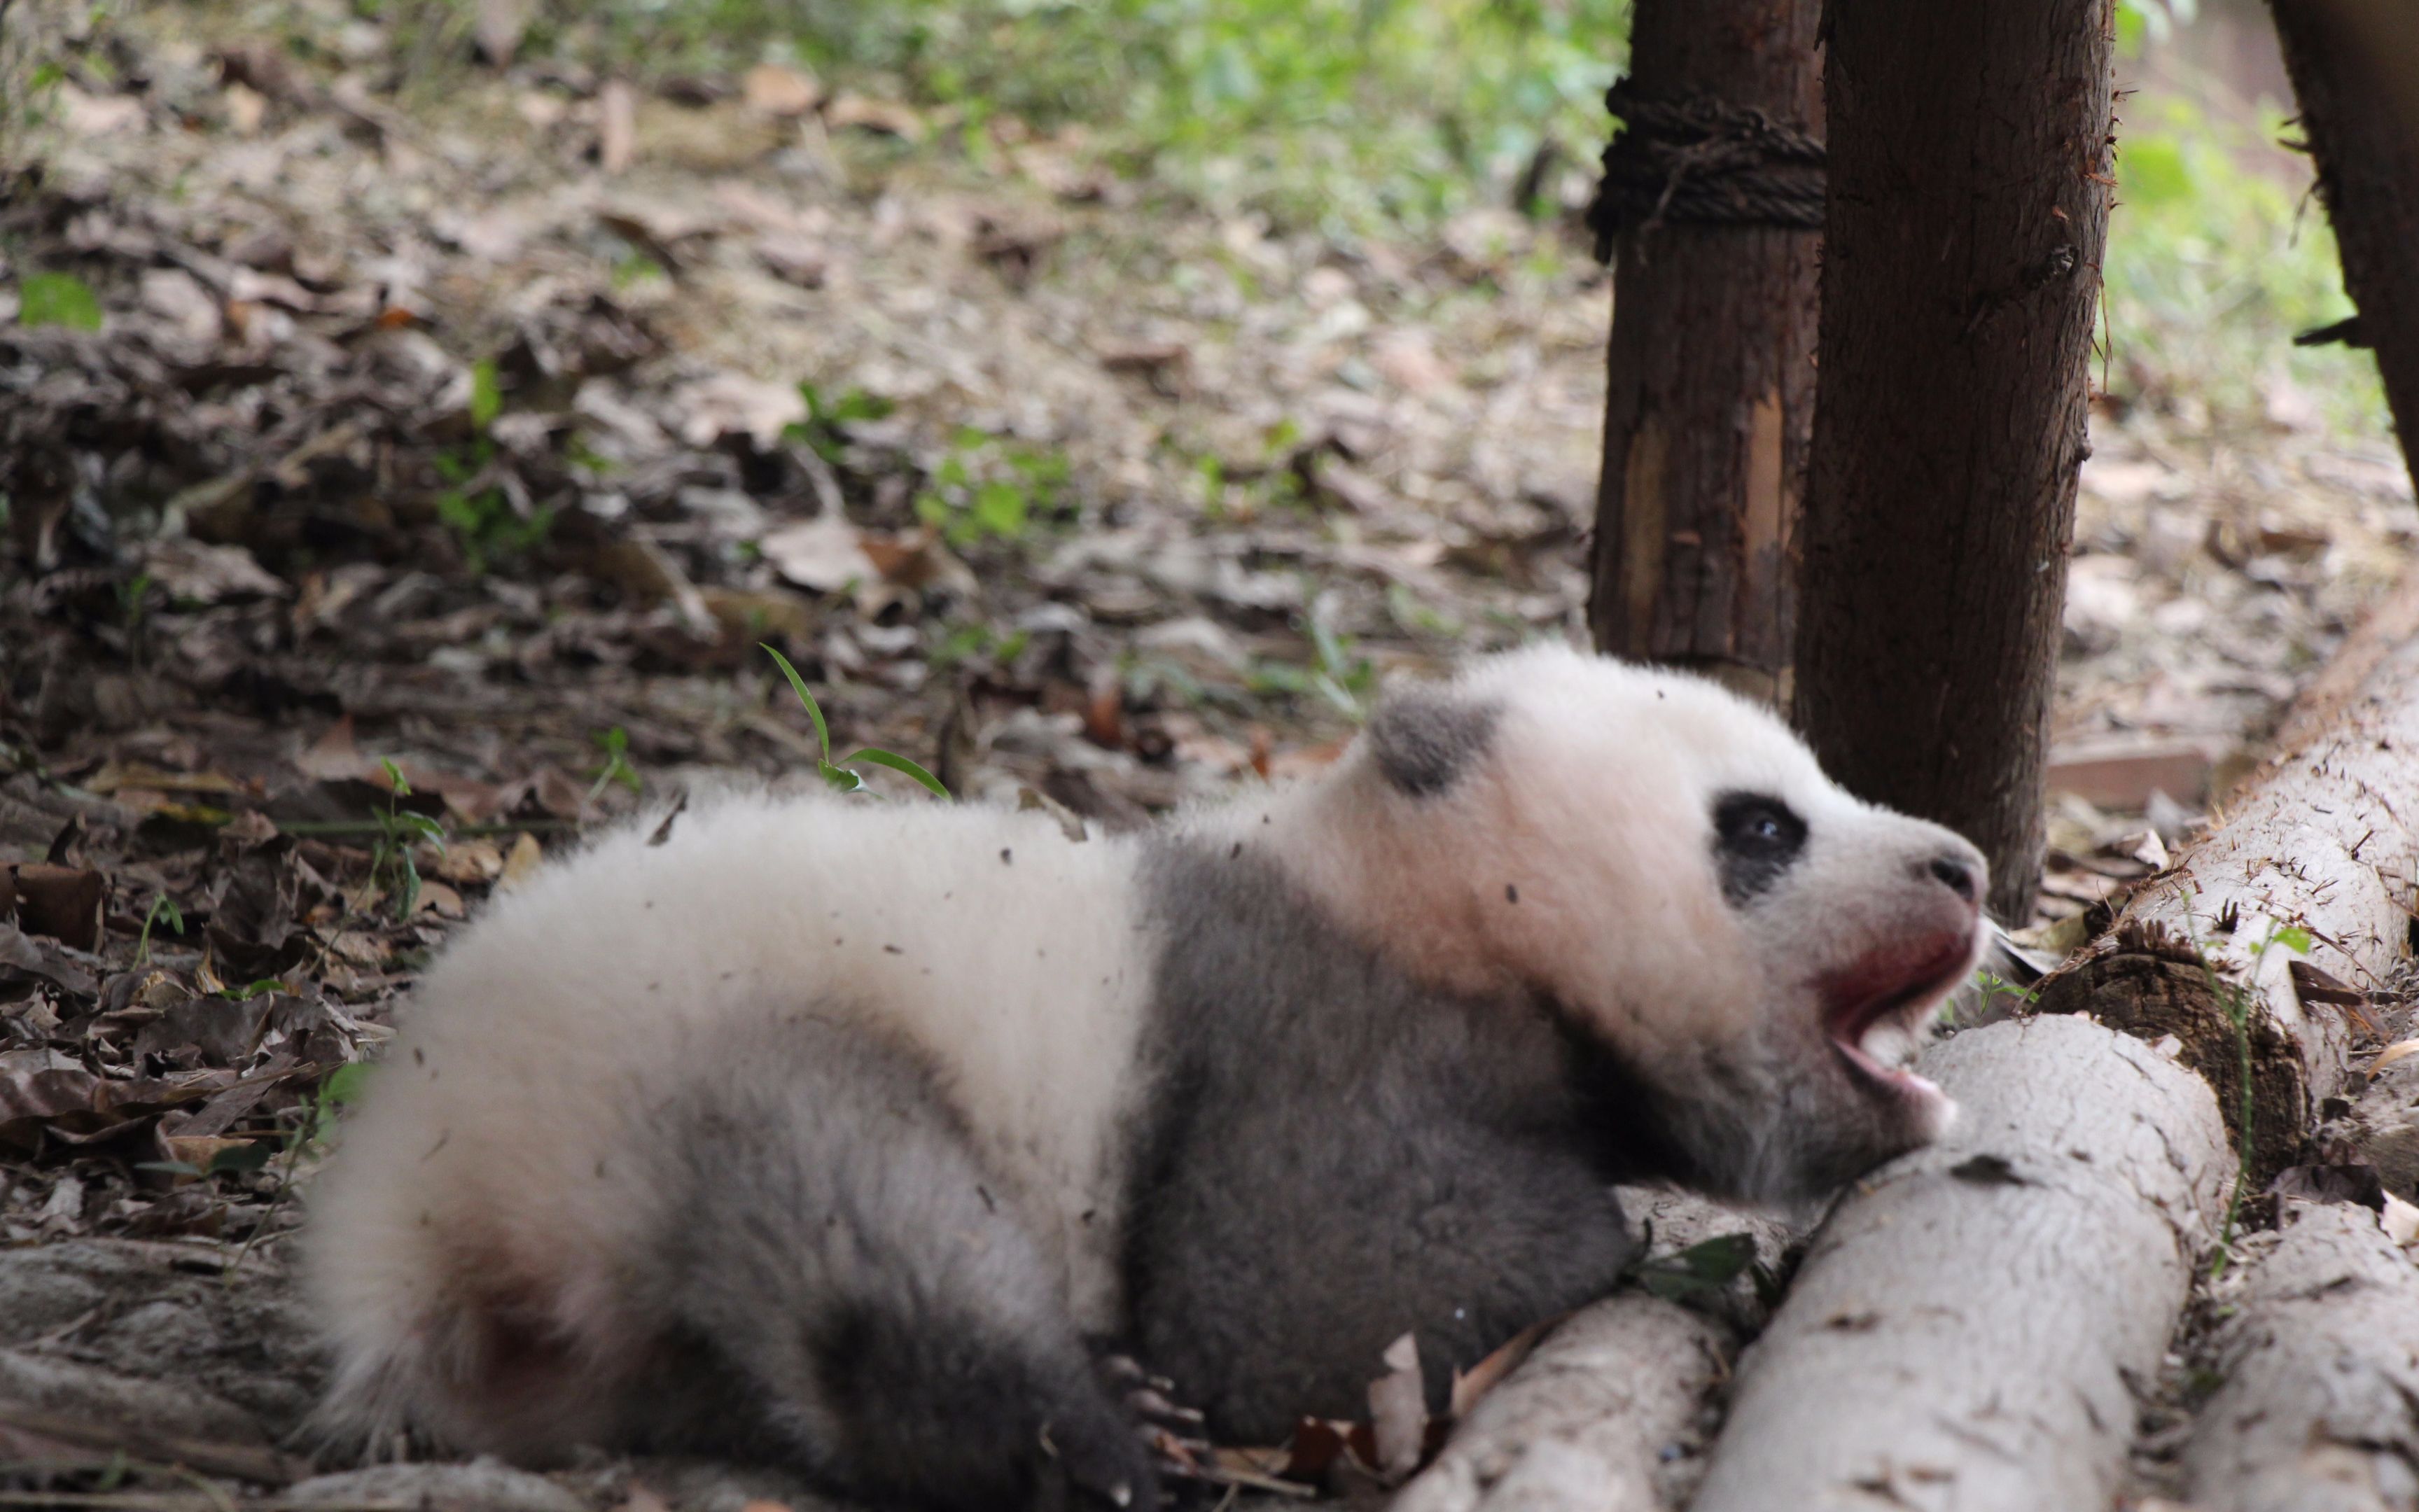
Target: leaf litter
{"x":370,"y":458}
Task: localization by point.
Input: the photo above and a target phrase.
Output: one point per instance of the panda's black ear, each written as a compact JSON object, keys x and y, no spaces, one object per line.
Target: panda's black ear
{"x":1424,"y":739}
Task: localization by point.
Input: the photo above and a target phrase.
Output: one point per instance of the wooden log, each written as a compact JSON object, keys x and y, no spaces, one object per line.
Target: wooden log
{"x":2320,"y":1366}
{"x":2324,"y":839}
{"x":1609,"y":1412}
{"x":2381,"y":1128}
{"x":1584,"y":1424}
{"x":1964,"y":1327}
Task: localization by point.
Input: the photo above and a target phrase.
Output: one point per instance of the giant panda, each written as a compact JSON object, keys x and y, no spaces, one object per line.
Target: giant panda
{"x":851,"y":1134}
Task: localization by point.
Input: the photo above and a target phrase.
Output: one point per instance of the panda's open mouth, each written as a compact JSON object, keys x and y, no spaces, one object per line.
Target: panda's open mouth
{"x":1877,"y":1016}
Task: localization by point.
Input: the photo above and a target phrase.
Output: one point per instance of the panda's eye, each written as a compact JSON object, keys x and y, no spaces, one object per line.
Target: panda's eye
{"x":1756,"y":839}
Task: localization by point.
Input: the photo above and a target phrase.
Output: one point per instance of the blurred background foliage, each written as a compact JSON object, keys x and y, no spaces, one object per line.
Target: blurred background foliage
{"x":1385,"y":117}
{"x":1354,"y":114}
{"x":2219,"y":252}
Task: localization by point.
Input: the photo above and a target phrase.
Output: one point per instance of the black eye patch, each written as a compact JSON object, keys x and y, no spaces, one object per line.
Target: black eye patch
{"x":1756,"y":839}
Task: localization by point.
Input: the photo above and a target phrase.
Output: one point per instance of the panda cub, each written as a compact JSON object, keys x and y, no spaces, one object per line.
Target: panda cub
{"x":848,"y":1134}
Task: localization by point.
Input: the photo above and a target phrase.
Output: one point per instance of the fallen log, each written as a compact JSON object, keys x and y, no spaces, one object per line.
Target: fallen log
{"x":1966,"y":1326}
{"x":2320,"y":1367}
{"x":1583,"y":1425}
{"x":2258,"y":946}
{"x":1609,"y":1412}
{"x":2380,"y":1127}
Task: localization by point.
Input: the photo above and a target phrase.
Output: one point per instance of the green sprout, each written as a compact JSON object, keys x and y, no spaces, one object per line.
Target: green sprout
{"x":58,"y":299}
{"x":1702,"y":1270}
{"x":615,"y":743}
{"x":399,"y":829}
{"x":2236,"y":1001}
{"x":839,"y":774}
{"x":161,"y":907}
{"x":821,"y":430}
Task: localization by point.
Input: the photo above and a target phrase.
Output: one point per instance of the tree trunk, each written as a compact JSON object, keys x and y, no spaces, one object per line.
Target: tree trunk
{"x":2355,"y":68}
{"x":1966,"y":1326}
{"x":1969,"y":180}
{"x":2320,"y":1364}
{"x":1711,"y":393}
{"x":2324,"y":841}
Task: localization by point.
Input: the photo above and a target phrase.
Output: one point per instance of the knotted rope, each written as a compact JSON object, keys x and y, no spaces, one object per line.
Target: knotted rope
{"x":1703,"y":161}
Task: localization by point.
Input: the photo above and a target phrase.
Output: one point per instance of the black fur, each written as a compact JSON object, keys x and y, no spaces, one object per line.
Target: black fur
{"x":1424,"y":739}
{"x":1332,"y":1154}
{"x":1757,"y":838}
{"x":1326,"y":1154}
{"x":847,"y":1289}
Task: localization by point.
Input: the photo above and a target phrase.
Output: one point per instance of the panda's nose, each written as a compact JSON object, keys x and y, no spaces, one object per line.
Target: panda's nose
{"x":1954,"y":874}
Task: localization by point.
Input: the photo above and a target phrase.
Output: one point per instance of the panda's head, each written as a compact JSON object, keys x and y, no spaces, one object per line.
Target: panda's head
{"x":1758,"y":952}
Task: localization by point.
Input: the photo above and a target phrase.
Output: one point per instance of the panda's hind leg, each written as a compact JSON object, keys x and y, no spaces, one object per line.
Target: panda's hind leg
{"x":847,"y":1289}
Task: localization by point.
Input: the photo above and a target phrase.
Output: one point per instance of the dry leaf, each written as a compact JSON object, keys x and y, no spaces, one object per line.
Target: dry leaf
{"x":62,"y":902}
{"x":773,"y":612}
{"x":825,"y":554}
{"x":875,"y":116}
{"x":617,"y":126}
{"x":2144,"y":846}
{"x":114,"y":776}
{"x":498,"y":27}
{"x":2401,"y":1221}
{"x":2392,"y":1052}
{"x":1482,"y":1378}
{"x":520,"y":864}
{"x":197,"y":1150}
{"x":191,"y":572}
{"x":734,"y":404}
{"x":246,"y":109}
{"x":776,"y":90}
{"x":439,"y":899}
{"x":468,"y":862}
{"x":334,"y":757}
{"x":1398,"y":1410}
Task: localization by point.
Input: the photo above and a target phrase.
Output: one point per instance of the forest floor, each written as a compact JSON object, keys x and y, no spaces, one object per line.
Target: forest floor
{"x":435,"y":458}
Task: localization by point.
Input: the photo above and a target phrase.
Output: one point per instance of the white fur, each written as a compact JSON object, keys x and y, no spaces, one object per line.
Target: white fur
{"x":535,"y":1045}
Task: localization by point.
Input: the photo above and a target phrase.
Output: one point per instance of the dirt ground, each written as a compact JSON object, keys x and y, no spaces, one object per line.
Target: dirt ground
{"x":442,"y":451}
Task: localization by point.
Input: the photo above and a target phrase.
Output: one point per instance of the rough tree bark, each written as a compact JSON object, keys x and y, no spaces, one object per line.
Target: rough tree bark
{"x":1711,"y":398}
{"x":1969,"y":182}
{"x":2325,"y":839}
{"x":1964,"y":1330}
{"x":2320,"y":1366}
{"x":2355,"y":70}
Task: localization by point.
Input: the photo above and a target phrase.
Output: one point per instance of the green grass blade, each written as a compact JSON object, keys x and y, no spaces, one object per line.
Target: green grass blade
{"x":822,"y":733}
{"x":840,"y":777}
{"x":900,"y":764}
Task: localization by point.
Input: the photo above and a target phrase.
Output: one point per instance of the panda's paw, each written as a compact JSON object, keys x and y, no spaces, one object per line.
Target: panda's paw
{"x":1096,"y":1463}
{"x":1172,"y":1432}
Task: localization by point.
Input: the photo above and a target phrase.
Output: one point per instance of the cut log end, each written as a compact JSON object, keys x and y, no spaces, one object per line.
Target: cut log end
{"x":2151,"y":998}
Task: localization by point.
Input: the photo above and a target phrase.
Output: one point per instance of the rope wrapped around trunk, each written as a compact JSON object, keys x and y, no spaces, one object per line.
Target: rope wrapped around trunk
{"x":1699,"y":161}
